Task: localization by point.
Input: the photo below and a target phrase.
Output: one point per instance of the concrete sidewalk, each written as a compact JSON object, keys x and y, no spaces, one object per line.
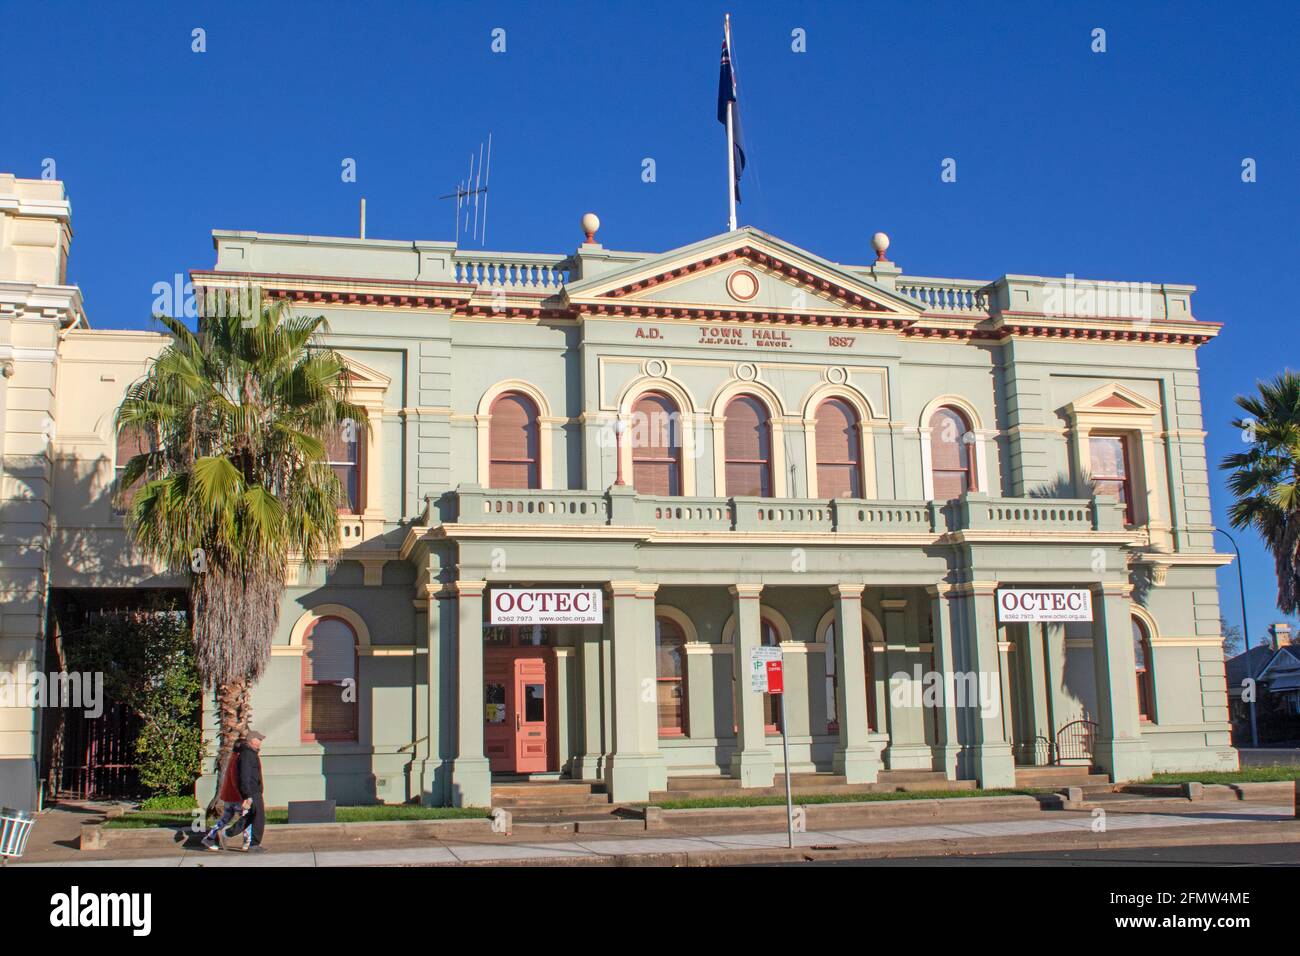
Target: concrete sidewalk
{"x":1207,"y":822}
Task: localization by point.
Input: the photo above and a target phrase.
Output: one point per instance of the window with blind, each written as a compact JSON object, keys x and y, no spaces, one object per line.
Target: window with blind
{"x":670,"y":650}
{"x":748,"y":448}
{"x":343,"y":452}
{"x":952,"y":458}
{"x":329,"y":682}
{"x":130,"y":442}
{"x":513,"y":442}
{"x":656,"y":445}
{"x":1141,"y":660}
{"x":1109,"y":465}
{"x":839,"y":457}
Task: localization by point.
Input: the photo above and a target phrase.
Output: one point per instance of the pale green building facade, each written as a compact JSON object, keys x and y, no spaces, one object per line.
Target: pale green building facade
{"x":875,"y":554}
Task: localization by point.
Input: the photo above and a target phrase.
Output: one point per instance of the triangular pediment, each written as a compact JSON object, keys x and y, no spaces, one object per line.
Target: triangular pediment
{"x":1114,"y":398}
{"x":362,"y":377}
{"x":746,"y":270}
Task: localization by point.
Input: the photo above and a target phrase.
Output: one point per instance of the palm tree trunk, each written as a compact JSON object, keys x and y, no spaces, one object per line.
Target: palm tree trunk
{"x":233,"y":715}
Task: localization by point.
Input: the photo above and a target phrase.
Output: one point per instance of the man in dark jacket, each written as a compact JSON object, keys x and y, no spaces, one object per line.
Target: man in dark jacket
{"x":249,"y":779}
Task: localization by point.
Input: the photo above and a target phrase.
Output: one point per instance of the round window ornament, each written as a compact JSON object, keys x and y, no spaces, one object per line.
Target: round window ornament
{"x":656,"y":368}
{"x":746,"y":372}
{"x":742,"y":285}
{"x":837,"y":375}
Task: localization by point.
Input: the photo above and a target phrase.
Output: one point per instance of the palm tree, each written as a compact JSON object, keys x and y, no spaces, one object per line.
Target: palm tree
{"x":1264,"y":478}
{"x":234,"y":480}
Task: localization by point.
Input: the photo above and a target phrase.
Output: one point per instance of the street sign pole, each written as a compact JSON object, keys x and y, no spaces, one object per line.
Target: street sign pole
{"x":789,"y":801}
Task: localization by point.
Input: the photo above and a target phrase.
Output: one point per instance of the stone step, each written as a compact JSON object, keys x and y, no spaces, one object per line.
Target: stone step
{"x":570,"y":801}
{"x":810,"y":789}
{"x":1053,"y":777}
{"x":567,"y":789}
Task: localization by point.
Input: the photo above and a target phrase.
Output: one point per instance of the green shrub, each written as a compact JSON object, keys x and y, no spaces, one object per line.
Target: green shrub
{"x":169,"y":803}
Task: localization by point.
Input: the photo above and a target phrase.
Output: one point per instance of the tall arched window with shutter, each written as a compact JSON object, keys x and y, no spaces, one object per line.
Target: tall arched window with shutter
{"x":1142,"y":664}
{"x":655,"y":435}
{"x":329,"y":681}
{"x":513,"y":443}
{"x":748,"y":448}
{"x":952,"y":458}
{"x":839,"y":451}
{"x":670,"y":670}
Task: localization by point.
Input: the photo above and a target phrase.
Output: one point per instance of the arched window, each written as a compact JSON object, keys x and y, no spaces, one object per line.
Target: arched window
{"x":771,"y":702}
{"x":839,"y":452}
{"x":1142,"y":662}
{"x":748,"y":444}
{"x":952,"y":459}
{"x":512,"y":443}
{"x":670,"y":669}
{"x":329,"y":681}
{"x":656,"y":439}
{"x":343,"y":452}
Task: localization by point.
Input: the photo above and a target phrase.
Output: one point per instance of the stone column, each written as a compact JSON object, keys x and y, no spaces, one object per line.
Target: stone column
{"x":1119,"y":748}
{"x":990,"y":753}
{"x":439,"y":615}
{"x":855,"y":758}
{"x":752,"y":763}
{"x":591,"y":764}
{"x":947,"y":743}
{"x":1037,"y":687}
{"x":471,"y":780}
{"x":635,"y":767}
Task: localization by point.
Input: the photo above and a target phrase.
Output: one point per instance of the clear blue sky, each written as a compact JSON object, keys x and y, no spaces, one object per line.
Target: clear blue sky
{"x":1117,"y":165}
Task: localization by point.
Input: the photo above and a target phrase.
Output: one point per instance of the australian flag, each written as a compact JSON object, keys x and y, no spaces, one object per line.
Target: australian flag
{"x":727,"y":95}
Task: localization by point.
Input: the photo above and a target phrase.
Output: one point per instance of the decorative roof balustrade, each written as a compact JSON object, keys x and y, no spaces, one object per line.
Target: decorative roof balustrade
{"x":512,"y":271}
{"x":622,"y":507}
{"x":947,"y":296}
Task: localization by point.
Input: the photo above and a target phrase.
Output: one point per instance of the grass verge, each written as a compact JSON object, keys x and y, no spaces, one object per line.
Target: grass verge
{"x":1245,"y":775}
{"x":143,"y":819}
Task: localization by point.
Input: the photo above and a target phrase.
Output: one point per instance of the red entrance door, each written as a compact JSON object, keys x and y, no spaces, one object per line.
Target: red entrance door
{"x":530,"y":715}
{"x":516,"y":718}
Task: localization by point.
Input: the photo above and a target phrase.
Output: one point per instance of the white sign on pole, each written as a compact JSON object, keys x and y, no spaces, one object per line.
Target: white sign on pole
{"x":1044,"y":604}
{"x":546,"y":606}
{"x":758,"y":658}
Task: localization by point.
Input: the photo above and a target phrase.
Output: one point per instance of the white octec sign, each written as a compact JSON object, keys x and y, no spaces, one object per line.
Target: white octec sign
{"x":546,"y":606}
{"x":1041,"y":604}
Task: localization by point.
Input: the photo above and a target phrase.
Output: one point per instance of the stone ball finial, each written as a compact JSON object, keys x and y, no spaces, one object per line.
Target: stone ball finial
{"x":880,"y":242}
{"x":590,"y":223}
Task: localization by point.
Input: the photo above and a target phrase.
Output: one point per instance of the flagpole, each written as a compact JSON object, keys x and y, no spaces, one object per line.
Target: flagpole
{"x":731,"y":145}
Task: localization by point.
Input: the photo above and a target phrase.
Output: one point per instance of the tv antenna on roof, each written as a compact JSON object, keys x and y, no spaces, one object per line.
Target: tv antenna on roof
{"x":467,"y":194}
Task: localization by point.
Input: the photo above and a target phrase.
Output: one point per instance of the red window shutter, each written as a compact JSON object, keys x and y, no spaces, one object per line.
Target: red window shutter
{"x":655,"y":435}
{"x":748,"y":448}
{"x":951,"y":458}
{"x":513,"y":443}
{"x":130,"y":442}
{"x":839,"y":465}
